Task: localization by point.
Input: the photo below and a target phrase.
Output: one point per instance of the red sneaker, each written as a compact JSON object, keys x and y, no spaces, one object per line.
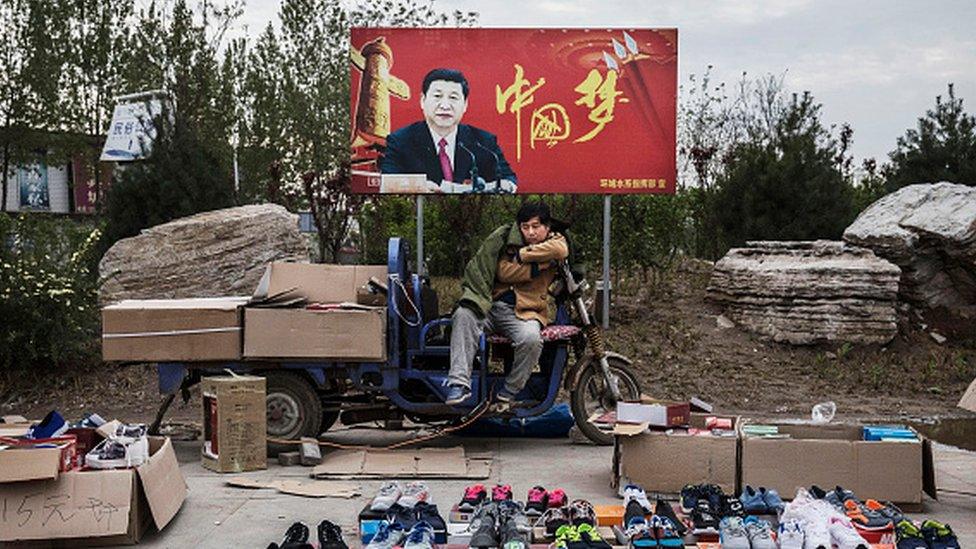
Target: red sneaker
{"x":473,"y":496}
{"x":501,"y":492}
{"x":537,"y":501}
{"x":557,"y":498}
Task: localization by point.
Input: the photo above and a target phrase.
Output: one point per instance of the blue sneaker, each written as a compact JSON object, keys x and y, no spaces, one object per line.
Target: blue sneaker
{"x":388,"y":536}
{"x":774,"y":503}
{"x":53,"y":425}
{"x":753,"y":502}
{"x":456,"y":394}
{"x":421,"y":536}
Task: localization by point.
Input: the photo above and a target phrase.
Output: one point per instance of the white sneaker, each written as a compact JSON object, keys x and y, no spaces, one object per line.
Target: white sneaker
{"x":414,"y":493}
{"x":387,"y":495}
{"x":117,"y":454}
{"x":816,"y":535}
{"x":844,"y":536}
{"x":760,"y":533}
{"x":790,"y":535}
{"x":636,"y":493}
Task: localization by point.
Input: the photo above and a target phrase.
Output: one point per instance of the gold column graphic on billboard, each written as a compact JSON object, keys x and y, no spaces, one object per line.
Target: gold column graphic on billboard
{"x":372,"y":119}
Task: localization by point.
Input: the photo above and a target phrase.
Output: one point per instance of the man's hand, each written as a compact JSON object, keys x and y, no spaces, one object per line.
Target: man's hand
{"x":433,"y":187}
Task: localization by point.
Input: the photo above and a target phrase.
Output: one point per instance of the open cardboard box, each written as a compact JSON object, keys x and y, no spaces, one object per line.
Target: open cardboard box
{"x":831,"y":455}
{"x":110,"y":507}
{"x":665,"y":461}
{"x":318,"y":282}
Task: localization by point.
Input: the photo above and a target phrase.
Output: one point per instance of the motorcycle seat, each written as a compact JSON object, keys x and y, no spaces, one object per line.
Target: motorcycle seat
{"x":552,"y":332}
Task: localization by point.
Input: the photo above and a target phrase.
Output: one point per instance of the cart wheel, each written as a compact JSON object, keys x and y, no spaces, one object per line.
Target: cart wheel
{"x":593,"y":396}
{"x":293,"y":409}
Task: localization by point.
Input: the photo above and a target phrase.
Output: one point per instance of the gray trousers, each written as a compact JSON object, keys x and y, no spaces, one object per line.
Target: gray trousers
{"x":466,"y":330}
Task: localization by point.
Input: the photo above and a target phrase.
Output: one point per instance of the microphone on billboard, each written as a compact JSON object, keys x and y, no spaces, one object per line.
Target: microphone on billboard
{"x":497,"y":162}
{"x":477,"y":185}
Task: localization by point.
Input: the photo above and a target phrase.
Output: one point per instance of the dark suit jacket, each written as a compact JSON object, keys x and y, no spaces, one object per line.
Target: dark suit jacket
{"x":411,"y":150}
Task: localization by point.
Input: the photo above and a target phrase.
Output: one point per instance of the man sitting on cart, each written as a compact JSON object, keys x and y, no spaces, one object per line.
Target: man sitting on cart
{"x":505,"y":291}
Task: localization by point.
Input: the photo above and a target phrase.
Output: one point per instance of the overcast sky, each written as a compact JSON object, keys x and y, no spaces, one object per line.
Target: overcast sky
{"x":875,"y":64}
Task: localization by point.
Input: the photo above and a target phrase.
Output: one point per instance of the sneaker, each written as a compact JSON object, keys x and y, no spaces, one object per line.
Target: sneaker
{"x":704,"y":521}
{"x":404,"y":516}
{"x":456,"y":394}
{"x":666,"y":531}
{"x":663,"y":509}
{"x":513,"y":525}
{"x":53,"y":425}
{"x":504,"y":395}
{"x":640,"y":534}
{"x":732,"y":534}
{"x":473,"y":496}
{"x":732,"y":507}
{"x":790,"y":535}
{"x":939,"y":535}
{"x":844,"y":536}
{"x":501,"y":492}
{"x":887,"y":510}
{"x":713,"y":494}
{"x":590,"y":535}
{"x":111,"y":453}
{"x":752,"y":501}
{"x":553,"y":518}
{"x":537,"y":501}
{"x":632,"y":510}
{"x":420,"y":536}
{"x":760,"y":533}
{"x":414,"y":493}
{"x":689,"y":498}
{"x":389,"y":535}
{"x":557,"y":498}
{"x":387,"y":495}
{"x":296,"y":537}
{"x":582,"y":512}
{"x":636,"y":493}
{"x":330,"y":536}
{"x":568,"y":537}
{"x":816,"y":535}
{"x":774,"y":503}
{"x":427,"y":512}
{"x":484,"y":526}
{"x":909,"y":535}
{"x":865,"y":518}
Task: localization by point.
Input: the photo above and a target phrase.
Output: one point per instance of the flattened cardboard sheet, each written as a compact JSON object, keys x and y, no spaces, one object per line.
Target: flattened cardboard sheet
{"x":420,"y":463}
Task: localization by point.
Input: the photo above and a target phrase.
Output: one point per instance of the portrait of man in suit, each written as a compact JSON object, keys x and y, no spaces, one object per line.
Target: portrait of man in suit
{"x":455,"y":157}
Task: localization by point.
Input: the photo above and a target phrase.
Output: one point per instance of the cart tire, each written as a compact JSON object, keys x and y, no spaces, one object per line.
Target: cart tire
{"x":293,"y":410}
{"x":590,"y":396}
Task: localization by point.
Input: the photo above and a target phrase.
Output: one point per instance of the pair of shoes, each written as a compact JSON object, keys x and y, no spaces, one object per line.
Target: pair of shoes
{"x":581,"y":512}
{"x":296,"y":537}
{"x":422,"y":511}
{"x":663,"y":509}
{"x":938,"y":535}
{"x":393,"y":534}
{"x":391,"y":493}
{"x":760,"y":501}
{"x":887,"y":510}
{"x":583,"y":536}
{"x":539,"y":499}
{"x":500,"y":523}
{"x":127,"y":446}
{"x":691,"y":494}
{"x":751,"y":533}
{"x":456,"y":394}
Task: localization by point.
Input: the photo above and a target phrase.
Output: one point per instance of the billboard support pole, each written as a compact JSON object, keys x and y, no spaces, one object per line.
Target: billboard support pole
{"x":420,"y":234}
{"x":606,"y":261}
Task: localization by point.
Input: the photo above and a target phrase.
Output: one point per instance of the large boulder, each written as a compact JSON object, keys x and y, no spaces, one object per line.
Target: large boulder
{"x":217,"y":253}
{"x":929,"y":230}
{"x":808,"y":292}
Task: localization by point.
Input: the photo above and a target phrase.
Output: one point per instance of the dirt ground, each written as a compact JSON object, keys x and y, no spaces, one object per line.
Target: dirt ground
{"x":670,"y":331}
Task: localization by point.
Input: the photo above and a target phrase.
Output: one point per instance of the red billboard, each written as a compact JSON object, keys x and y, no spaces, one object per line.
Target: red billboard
{"x":513,"y":110}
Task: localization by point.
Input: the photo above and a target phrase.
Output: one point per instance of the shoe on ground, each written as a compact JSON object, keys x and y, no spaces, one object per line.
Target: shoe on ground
{"x":590,"y":535}
{"x":53,"y":425}
{"x":404,"y":516}
{"x":732,"y":533}
{"x":844,"y":535}
{"x":474,"y":495}
{"x":865,"y":518}
{"x":636,"y":493}
{"x":501,"y":492}
{"x":513,"y":526}
{"x":632,"y":511}
{"x":558,"y":498}
{"x":760,"y":533}
{"x":568,"y":537}
{"x":640,"y":534}
{"x":666,"y":532}
{"x":713,"y":494}
{"x":387,"y":495}
{"x":732,"y":507}
{"x":774,"y":503}
{"x":664,"y":509}
{"x":752,"y":501}
{"x":909,"y":536}
{"x":553,"y":518}
{"x":414,"y":493}
{"x":689,"y":498}
{"x":420,"y":536}
{"x":816,"y":535}
{"x":484,"y":526}
{"x":703,"y":519}
{"x":536,"y":501}
{"x":296,"y":537}
{"x":456,"y":394}
{"x":504,"y":395}
{"x":790,"y":535}
{"x":887,"y":510}
{"x":582,"y":512}
{"x":388,"y":536}
{"x":330,"y":536}
{"x":427,"y":512}
{"x":939,"y":535}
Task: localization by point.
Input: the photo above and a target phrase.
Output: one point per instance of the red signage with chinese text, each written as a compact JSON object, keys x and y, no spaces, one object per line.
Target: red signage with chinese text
{"x":516,"y":110}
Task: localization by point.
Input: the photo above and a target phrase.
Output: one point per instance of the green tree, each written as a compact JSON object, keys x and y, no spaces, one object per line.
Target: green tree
{"x":941,"y":148}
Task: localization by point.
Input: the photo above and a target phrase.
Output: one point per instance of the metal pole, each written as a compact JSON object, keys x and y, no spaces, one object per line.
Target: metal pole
{"x":420,"y":234}
{"x":606,"y":261}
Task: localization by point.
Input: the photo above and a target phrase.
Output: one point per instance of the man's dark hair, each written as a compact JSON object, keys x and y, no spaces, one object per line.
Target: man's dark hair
{"x":534,"y":209}
{"x":450,"y":75}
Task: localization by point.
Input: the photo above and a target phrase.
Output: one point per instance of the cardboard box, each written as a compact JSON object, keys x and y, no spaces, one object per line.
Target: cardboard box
{"x":318,"y":282}
{"x":352,"y":335}
{"x":159,"y":330}
{"x":234,"y":424}
{"x":22,"y":460}
{"x":665,"y":461}
{"x":831,"y":455}
{"x":655,"y":413}
{"x":109,"y":507}
{"x":968,"y":400}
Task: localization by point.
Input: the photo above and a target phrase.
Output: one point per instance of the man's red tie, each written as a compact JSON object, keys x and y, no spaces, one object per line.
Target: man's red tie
{"x":445,"y":161}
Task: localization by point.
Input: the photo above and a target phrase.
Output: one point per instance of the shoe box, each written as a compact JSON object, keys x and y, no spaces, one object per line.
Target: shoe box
{"x":608,"y":515}
{"x":665,"y":460}
{"x":654,"y":413}
{"x":40,"y":459}
{"x":833,"y":454}
{"x":369,"y":523}
{"x":234,"y":424}
{"x":97,"y":507}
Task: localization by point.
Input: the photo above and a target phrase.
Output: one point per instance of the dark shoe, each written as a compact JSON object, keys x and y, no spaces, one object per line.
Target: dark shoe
{"x":474,"y":495}
{"x":330,"y":536}
{"x":456,"y":394}
{"x":296,"y":537}
{"x":505,"y":396}
{"x":591,"y":536}
{"x":909,"y":536}
{"x":428,"y":513}
{"x":865,"y":518}
{"x":939,"y":535}
{"x":582,"y":512}
{"x":887,"y":510}
{"x":732,"y":507}
{"x":689,"y":498}
{"x":537,"y":501}
{"x":404,"y":516}
{"x":704,"y":521}
{"x":513,"y":525}
{"x":664,"y":509}
{"x":553,"y":518}
{"x":666,"y":531}
{"x":484,"y":525}
{"x":633,"y":510}
{"x":713,"y":494}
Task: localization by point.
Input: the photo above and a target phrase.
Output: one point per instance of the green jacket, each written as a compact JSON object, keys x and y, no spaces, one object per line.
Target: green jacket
{"x":479,"y":273}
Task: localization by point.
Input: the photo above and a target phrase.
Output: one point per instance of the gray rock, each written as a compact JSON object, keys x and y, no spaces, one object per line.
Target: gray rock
{"x":929,"y":230}
{"x":807,"y":292}
{"x":723,"y":322}
{"x":217,"y":253}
